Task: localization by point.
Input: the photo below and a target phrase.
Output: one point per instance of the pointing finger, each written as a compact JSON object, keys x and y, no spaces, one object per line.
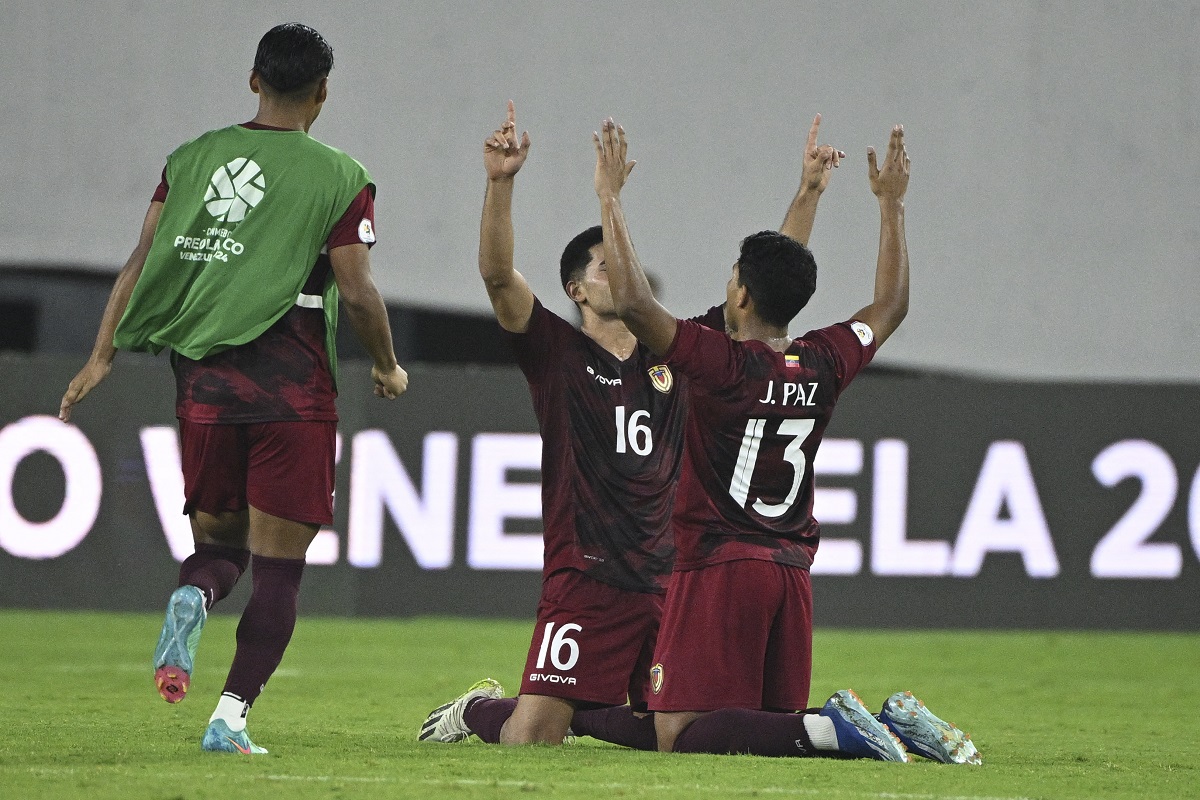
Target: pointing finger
{"x":812,"y":134}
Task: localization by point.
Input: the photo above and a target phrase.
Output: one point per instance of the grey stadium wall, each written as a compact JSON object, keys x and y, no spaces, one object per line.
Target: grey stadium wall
{"x":945,"y":501}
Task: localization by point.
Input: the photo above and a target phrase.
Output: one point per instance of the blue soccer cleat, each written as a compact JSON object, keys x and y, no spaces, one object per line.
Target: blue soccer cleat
{"x":218,"y":738}
{"x":175,"y":653}
{"x":923,"y":733}
{"x":859,"y":734}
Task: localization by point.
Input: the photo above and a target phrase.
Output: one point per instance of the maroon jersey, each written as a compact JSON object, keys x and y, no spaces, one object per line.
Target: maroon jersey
{"x":756,"y":418}
{"x":283,"y":375}
{"x":612,"y":442}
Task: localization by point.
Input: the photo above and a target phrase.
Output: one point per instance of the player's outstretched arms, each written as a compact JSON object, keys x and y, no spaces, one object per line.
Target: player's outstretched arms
{"x":819,"y":162}
{"x":652,"y":324}
{"x":99,"y":364}
{"x":889,"y":183}
{"x":368,"y":316}
{"x":503,"y":156}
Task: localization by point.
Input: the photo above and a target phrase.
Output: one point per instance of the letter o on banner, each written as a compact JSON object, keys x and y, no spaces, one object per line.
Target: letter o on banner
{"x":81,"y":503}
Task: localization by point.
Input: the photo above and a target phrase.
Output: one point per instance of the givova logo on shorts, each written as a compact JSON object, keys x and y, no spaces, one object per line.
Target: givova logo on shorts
{"x":234,"y":189}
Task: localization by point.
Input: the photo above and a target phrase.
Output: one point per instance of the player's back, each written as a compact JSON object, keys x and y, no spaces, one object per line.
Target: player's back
{"x":756,"y":419}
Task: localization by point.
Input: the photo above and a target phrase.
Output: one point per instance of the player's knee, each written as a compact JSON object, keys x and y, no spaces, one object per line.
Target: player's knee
{"x":668,"y":727}
{"x":532,"y":731}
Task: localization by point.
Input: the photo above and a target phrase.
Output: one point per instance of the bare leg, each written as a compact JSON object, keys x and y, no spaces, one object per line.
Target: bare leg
{"x":538,"y":719}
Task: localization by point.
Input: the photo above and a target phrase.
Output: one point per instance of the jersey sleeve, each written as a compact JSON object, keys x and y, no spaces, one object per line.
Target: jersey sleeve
{"x":850,"y":344}
{"x":357,"y":225}
{"x":705,"y":355}
{"x":537,"y":347}
{"x":160,"y":194}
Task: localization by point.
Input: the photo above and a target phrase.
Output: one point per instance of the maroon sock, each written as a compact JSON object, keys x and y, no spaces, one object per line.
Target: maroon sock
{"x":740,"y":730}
{"x":618,"y":725}
{"x":266,"y":625}
{"x":485,"y":717}
{"x":213,"y":569}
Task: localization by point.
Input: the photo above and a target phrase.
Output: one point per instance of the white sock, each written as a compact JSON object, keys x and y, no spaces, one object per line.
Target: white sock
{"x":232,"y":710}
{"x":821,"y":732}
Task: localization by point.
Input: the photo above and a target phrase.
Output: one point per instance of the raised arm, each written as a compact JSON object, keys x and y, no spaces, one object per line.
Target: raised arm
{"x":99,"y":364}
{"x":368,"y":316}
{"x":652,"y":324}
{"x":889,"y":183}
{"x":511,"y":297}
{"x":819,"y":162}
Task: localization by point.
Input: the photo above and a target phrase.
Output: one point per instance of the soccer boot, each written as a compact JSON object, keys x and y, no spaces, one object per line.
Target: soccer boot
{"x":859,"y":734}
{"x":175,"y":653}
{"x":445,"y":723}
{"x":923,"y":733}
{"x":218,"y":738}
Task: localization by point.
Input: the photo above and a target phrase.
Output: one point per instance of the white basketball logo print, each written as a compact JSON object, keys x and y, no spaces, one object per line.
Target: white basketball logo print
{"x":236,"y":188}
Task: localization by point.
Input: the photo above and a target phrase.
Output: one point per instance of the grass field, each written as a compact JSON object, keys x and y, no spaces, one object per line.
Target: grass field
{"x":1056,"y":715}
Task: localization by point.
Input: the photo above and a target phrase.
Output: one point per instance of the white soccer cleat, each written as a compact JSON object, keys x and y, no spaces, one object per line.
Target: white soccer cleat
{"x":446,"y":724}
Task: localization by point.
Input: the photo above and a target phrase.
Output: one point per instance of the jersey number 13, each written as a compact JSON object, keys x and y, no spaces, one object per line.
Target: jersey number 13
{"x":743,"y":473}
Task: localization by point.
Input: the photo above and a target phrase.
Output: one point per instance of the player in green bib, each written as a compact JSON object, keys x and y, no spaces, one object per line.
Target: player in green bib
{"x":252,"y":235}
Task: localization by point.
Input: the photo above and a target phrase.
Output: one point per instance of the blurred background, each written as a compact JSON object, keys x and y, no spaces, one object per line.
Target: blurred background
{"x":1053,"y":220}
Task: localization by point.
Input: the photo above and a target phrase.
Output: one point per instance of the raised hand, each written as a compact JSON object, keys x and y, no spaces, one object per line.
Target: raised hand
{"x":611,"y":166}
{"x":503,"y":155}
{"x":890,"y":181}
{"x":819,"y":161}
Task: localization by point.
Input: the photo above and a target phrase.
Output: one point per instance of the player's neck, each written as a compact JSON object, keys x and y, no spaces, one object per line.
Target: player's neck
{"x":772,"y":335}
{"x":609,"y":333}
{"x":283,"y":115}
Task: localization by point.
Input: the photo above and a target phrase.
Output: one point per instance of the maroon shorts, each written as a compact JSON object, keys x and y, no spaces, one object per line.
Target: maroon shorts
{"x":592,"y":642}
{"x":735,"y":635}
{"x":282,"y":468}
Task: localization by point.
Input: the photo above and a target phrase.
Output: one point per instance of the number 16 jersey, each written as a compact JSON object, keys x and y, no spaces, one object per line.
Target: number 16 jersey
{"x":612,"y":442}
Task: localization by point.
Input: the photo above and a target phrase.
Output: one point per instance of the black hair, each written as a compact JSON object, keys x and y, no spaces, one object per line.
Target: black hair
{"x":292,"y":58}
{"x":575,"y":255}
{"x":779,"y":273}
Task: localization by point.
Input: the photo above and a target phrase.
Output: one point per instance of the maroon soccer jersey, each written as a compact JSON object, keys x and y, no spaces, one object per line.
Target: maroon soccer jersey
{"x":284,"y":373}
{"x":756,"y":418}
{"x":612,"y":441}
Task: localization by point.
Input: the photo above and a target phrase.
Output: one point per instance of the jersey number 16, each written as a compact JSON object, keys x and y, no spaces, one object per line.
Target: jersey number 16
{"x":633,"y":435}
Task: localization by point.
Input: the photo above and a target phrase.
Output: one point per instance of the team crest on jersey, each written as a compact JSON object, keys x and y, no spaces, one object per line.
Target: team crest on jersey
{"x":656,"y":678}
{"x":661,"y":378}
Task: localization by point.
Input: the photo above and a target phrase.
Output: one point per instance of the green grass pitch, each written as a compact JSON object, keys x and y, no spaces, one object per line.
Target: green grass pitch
{"x":1055,"y":715}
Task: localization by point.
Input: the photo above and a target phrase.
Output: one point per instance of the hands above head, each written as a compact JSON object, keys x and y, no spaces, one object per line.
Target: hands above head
{"x":503,"y":155}
{"x":819,"y":161}
{"x":890,"y":182}
{"x":611,"y":167}
{"x":389,"y":384}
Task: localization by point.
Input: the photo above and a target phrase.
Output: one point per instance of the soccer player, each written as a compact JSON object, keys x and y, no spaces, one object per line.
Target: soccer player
{"x":735,"y":646}
{"x":611,"y":418}
{"x":250,"y":238}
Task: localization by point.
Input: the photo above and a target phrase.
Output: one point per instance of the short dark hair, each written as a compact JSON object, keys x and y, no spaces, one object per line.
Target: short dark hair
{"x":292,"y":58}
{"x":779,"y":273}
{"x":575,"y":255}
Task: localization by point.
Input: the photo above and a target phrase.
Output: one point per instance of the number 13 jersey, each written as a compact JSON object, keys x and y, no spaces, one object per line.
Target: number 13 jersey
{"x":755,"y":420}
